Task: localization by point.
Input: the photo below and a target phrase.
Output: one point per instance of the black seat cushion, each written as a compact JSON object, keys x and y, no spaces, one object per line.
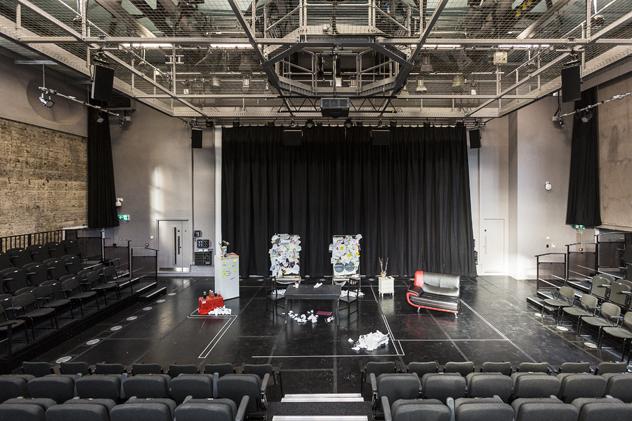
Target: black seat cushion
{"x":22,"y":412}
{"x":461,"y":367}
{"x":170,"y":404}
{"x":107,"y":403}
{"x":141,"y":411}
{"x":44,"y":403}
{"x":422,"y":368}
{"x":608,"y":411}
{"x":55,"y":387}
{"x":12,"y":387}
{"x":199,"y":386}
{"x":619,"y":385}
{"x":546,"y":411}
{"x":419,"y":409}
{"x":147,"y":386}
{"x":220,"y":368}
{"x":582,"y":386}
{"x":210,"y":410}
{"x":482,"y":385}
{"x":235,"y":386}
{"x":103,"y":386}
{"x":398,"y":386}
{"x":78,"y":412}
{"x":484,"y":412}
{"x":443,"y":386}
{"x":534,"y":385}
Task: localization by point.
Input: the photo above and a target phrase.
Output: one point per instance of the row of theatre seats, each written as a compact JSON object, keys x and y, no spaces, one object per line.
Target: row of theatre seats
{"x":602,"y":309}
{"x":533,"y":392}
{"x":41,"y":292}
{"x":18,"y":257}
{"x":108,"y":392}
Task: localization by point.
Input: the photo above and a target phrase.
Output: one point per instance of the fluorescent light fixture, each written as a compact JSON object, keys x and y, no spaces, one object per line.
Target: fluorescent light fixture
{"x":438,"y":46}
{"x":233,"y":46}
{"x":147,"y":46}
{"x":523,"y":46}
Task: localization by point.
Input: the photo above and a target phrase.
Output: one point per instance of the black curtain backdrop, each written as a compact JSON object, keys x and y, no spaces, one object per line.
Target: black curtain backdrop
{"x":584,"y":207}
{"x":410,"y":200}
{"x":101,"y":194}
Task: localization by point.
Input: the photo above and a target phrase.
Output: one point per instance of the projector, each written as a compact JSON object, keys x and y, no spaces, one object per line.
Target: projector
{"x":334,"y":107}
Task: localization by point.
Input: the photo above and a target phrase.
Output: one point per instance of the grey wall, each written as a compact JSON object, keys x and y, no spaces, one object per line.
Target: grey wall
{"x":19,"y":93}
{"x":154,"y":175}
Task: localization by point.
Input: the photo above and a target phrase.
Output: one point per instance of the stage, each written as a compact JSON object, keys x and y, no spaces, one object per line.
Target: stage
{"x":495,"y":324}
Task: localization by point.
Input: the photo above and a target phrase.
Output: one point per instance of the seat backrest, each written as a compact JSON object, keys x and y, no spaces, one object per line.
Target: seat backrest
{"x":610,"y":411}
{"x":235,"y":386}
{"x":617,"y":293}
{"x":619,"y":386}
{"x":421,"y":368}
{"x":379,"y":367}
{"x":627,"y":320}
{"x":12,"y":387}
{"x":5,"y":262}
{"x":599,"y":285}
{"x":546,"y":411}
{"x":441,"y":280}
{"x":99,"y":386}
{"x":198,"y":386}
{"x":69,"y":283}
{"x":567,"y":293}
{"x":177,"y":369}
{"x":589,"y":302}
{"x":145,"y":411}
{"x":38,"y":252}
{"x":55,"y":249}
{"x":517,"y":403}
{"x":582,"y":386}
{"x":497,"y":367}
{"x":22,"y":412}
{"x":484,"y":412}
{"x":216,"y":411}
{"x":610,"y":311}
{"x":572,"y":367}
{"x":528,"y":367}
{"x":536,"y":386}
{"x":74,"y":367}
{"x":55,"y":387}
{"x":398,"y":386}
{"x":419,"y":409}
{"x":77,"y":412}
{"x":109,"y":368}
{"x":442,"y":386}
{"x":219,"y":368}
{"x":19,"y":257}
{"x":462,"y":367}
{"x":147,"y":386}
{"x":15,"y":280}
{"x":71,"y":247}
{"x":258,"y":369}
{"x":36,"y":273}
{"x":612,"y":367}
{"x":37,"y":368}
{"x":486,"y":385}
{"x":146,"y":368}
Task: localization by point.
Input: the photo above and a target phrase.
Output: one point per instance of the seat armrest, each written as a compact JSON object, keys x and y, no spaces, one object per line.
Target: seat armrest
{"x":450,"y":404}
{"x":606,"y":286}
{"x":386,"y":409}
{"x":215,"y":379}
{"x":8,"y":324}
{"x":416,"y":290}
{"x":243,"y":406}
{"x":264,"y":383}
{"x":373,"y":380}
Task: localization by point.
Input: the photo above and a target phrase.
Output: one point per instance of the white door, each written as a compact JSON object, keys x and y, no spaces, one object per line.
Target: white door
{"x":171,"y":245}
{"x":492,"y":250}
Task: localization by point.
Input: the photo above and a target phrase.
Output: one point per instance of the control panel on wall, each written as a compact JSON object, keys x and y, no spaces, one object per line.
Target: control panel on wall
{"x":203,"y":243}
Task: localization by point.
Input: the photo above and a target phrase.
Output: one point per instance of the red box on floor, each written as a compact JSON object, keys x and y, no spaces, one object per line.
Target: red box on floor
{"x":209,"y":303}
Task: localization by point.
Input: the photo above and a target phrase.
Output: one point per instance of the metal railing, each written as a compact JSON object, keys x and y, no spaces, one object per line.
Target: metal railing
{"x":609,"y":250}
{"x":143,"y":262}
{"x":550,"y":270}
{"x":24,"y":240}
{"x":119,"y":252}
{"x":581,"y":261}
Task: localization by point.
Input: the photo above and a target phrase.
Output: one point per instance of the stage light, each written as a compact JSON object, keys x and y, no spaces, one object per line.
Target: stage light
{"x":309,"y":124}
{"x":100,"y":118}
{"x":245,"y":84}
{"x":216,"y":82}
{"x":421,"y":87}
{"x":426,"y":65}
{"x":348,"y":123}
{"x":292,"y":123}
{"x":209,"y":124}
{"x":46,"y":99}
{"x":473,"y":88}
{"x":586,"y":116}
{"x":457,"y":82}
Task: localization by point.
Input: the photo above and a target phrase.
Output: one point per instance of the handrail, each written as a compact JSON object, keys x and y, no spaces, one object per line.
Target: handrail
{"x":550,"y":254}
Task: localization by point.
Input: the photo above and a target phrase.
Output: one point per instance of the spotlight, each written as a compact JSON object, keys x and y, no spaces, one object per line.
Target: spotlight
{"x":473,"y":88}
{"x":46,"y":99}
{"x":457,"y":82}
{"x":587,"y":116}
{"x":245,"y":84}
{"x":216,"y":82}
{"x":309,"y":124}
{"x":209,"y":124}
{"x":558,"y":121}
{"x":235,"y":123}
{"x":100,"y":118}
{"x":421,"y":87}
{"x":292,"y":123}
{"x":348,"y":123}
{"x":426,"y":65}
{"x":598,"y":20}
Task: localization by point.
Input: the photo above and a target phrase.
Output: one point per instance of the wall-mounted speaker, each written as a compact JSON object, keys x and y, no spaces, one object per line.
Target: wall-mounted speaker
{"x":196,"y":138}
{"x":292,"y":137}
{"x":475,"y":138}
{"x":571,"y":82}
{"x":381,"y":137}
{"x":102,"y":83}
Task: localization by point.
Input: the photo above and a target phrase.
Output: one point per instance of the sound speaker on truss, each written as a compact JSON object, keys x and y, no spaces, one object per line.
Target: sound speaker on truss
{"x":381,"y":137}
{"x":571,"y":82}
{"x":196,"y":138}
{"x":102,"y":83}
{"x":475,"y":138}
{"x":292,"y":137}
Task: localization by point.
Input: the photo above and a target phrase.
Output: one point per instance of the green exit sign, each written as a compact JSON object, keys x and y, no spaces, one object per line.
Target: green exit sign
{"x":123,"y":217}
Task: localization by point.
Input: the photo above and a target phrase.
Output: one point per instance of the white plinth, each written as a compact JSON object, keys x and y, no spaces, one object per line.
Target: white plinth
{"x":386,"y":285}
{"x":227,"y":276}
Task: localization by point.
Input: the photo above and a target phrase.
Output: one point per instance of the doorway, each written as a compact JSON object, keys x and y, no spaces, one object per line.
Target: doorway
{"x":171,"y":243}
{"x":492,"y":256}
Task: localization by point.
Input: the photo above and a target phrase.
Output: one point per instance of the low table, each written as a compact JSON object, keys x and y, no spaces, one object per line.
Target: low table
{"x":309,"y":293}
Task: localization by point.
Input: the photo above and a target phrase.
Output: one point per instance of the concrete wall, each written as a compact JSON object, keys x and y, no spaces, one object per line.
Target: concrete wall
{"x":615,"y":155}
{"x":153,"y":167}
{"x":43,"y":172}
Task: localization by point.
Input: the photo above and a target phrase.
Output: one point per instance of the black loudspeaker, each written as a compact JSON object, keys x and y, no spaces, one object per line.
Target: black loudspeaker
{"x":475,"y":138}
{"x":102,"y":83}
{"x":381,"y":137}
{"x":571,"y":82}
{"x":196,"y":138}
{"x":292,"y":137}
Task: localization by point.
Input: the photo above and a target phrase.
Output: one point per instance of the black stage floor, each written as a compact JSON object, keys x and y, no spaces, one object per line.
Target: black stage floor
{"x":496,"y":324}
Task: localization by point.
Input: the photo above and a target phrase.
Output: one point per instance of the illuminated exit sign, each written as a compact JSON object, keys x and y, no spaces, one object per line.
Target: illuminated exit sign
{"x":123,"y":217}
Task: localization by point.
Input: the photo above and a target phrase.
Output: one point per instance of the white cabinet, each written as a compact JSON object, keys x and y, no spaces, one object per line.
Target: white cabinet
{"x":227,"y":276}
{"x":385,"y":285}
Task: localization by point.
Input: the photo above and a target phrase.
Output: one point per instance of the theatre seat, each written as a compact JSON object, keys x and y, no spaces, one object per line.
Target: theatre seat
{"x":416,"y":409}
{"x":77,"y":412}
{"x":22,"y":412}
{"x":145,"y":411}
{"x":443,"y":386}
{"x":435,"y":291}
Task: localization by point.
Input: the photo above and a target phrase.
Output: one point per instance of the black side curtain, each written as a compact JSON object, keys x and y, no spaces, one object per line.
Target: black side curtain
{"x":584,"y":207}
{"x":101,"y":194}
{"x":409,"y":200}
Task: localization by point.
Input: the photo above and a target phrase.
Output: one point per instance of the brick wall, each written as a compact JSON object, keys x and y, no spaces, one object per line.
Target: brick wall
{"x":43,"y":179}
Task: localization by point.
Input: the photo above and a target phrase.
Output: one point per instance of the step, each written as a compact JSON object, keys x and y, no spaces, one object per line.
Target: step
{"x":320,"y":418}
{"x":323,"y":397}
